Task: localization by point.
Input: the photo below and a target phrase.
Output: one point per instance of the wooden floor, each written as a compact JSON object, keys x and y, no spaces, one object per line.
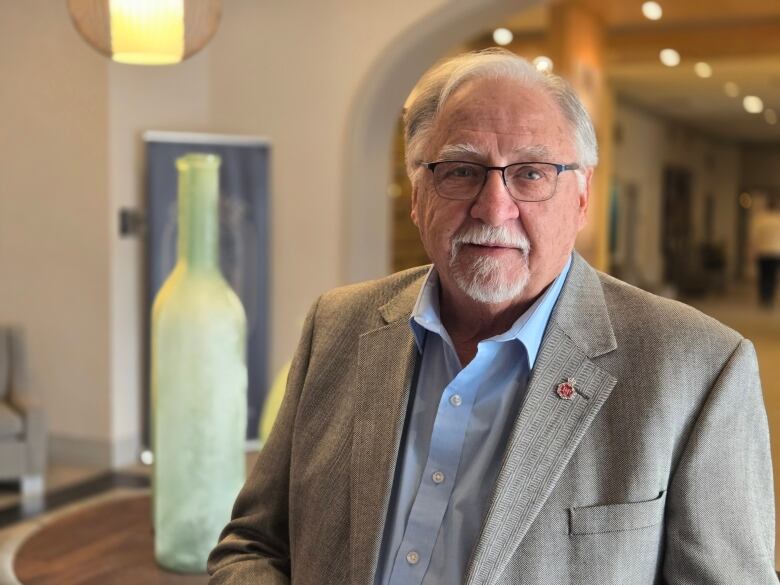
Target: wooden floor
{"x":111,"y":542}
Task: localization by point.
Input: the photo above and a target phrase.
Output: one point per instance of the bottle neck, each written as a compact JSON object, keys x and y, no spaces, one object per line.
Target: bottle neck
{"x":198,"y":217}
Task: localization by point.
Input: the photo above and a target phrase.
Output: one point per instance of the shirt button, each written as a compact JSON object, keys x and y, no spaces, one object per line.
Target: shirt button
{"x":412,"y":557}
{"x":437,"y":477}
{"x":456,"y":400}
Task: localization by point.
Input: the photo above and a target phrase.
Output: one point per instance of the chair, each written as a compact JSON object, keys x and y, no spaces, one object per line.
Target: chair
{"x":22,"y":423}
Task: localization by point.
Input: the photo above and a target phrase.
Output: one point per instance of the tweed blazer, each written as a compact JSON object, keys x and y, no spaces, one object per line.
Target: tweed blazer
{"x":657,"y":471}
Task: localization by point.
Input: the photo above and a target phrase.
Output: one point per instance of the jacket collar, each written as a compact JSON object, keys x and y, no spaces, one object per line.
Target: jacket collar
{"x":581,"y":311}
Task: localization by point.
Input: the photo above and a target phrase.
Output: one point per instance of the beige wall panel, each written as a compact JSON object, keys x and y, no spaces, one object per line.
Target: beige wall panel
{"x":54,"y":236}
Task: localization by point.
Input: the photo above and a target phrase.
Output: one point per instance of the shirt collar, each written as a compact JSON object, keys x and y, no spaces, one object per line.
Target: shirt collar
{"x":528,"y":329}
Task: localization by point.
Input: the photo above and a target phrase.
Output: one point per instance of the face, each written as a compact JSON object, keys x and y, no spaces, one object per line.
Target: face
{"x":494,"y":249}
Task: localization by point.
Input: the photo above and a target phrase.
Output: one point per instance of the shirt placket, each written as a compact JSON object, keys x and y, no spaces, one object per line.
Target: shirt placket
{"x":439,"y":475}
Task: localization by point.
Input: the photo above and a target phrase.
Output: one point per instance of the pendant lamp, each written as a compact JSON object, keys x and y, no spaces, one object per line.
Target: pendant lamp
{"x":146,"y":32}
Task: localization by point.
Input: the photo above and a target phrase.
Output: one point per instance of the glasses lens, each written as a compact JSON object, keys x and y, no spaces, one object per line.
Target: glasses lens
{"x":531,"y":181}
{"x":458,"y":180}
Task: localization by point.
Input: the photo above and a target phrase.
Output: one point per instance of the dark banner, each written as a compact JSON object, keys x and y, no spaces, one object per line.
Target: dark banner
{"x":243,"y":229}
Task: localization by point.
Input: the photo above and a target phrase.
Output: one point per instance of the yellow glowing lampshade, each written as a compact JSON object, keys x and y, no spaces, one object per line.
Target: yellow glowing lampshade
{"x":146,"y":32}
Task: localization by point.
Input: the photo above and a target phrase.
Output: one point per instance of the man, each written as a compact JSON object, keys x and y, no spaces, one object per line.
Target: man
{"x":510,"y":415}
{"x":766,"y":243}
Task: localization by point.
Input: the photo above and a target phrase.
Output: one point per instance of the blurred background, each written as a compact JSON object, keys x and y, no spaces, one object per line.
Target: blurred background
{"x":685,"y":98}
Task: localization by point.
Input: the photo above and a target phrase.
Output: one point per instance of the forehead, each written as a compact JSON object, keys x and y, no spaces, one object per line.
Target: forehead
{"x":500,"y":115}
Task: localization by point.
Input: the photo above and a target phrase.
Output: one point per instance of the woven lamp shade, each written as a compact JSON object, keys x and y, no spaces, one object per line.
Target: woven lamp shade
{"x":146,"y":32}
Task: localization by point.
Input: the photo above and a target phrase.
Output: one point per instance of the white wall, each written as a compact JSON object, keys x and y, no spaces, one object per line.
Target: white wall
{"x":54,"y":205}
{"x":647,"y":145}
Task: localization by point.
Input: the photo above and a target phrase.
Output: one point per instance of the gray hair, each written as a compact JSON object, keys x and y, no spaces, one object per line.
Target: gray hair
{"x":438,"y":84}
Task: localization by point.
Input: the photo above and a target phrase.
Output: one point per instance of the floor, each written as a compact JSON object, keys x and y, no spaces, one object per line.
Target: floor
{"x":58,"y":477}
{"x":110,"y":541}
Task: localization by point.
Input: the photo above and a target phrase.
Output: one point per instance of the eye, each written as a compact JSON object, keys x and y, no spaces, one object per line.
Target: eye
{"x":527,"y":173}
{"x":459,"y":171}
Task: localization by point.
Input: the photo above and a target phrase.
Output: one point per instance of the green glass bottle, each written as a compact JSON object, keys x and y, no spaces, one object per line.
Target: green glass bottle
{"x":199,"y":382}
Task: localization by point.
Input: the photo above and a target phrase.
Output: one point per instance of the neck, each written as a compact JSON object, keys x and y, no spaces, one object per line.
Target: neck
{"x":470,"y":321}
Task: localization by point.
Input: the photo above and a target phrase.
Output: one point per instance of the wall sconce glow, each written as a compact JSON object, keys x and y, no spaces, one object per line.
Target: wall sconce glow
{"x":731,"y":89}
{"x":669,"y":57}
{"x":543,"y":64}
{"x":503,"y":36}
{"x":753,"y":104}
{"x":146,"y":32}
{"x":703,"y":69}
{"x":652,"y":10}
{"x":770,"y":116}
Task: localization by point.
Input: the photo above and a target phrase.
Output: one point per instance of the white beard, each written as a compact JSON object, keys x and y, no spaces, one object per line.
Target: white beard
{"x":483,"y":279}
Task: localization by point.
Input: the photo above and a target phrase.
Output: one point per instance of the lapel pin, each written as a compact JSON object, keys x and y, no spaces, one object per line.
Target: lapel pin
{"x":566,"y":390}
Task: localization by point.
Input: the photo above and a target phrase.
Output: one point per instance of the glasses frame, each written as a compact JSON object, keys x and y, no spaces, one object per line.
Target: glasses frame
{"x":559,"y":168}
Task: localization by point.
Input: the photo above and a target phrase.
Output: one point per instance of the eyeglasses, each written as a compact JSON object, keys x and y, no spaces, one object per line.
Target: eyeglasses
{"x":525,"y":181}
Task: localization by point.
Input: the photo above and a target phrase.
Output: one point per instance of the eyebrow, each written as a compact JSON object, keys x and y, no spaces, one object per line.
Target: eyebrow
{"x":454,"y":151}
{"x":534,"y":152}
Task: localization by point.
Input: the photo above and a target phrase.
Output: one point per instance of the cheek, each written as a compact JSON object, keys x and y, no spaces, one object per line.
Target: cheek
{"x":439,"y":222}
{"x":551,"y":228}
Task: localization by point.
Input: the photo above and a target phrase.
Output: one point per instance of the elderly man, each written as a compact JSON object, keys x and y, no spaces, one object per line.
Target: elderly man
{"x":508,"y":415}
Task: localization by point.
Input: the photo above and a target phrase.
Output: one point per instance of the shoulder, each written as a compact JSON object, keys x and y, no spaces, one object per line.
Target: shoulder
{"x":361,"y":302}
{"x":640,"y":318}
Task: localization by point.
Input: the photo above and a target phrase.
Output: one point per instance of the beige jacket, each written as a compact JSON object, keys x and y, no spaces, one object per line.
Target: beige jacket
{"x":658,"y":471}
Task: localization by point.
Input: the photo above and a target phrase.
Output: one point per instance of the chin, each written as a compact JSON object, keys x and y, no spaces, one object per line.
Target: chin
{"x":487,"y":280}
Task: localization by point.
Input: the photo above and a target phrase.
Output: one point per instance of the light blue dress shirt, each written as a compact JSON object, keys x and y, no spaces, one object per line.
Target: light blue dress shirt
{"x":454,"y":441}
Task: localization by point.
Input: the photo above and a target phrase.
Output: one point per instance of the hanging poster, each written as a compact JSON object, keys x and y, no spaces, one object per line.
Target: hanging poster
{"x":243,"y":227}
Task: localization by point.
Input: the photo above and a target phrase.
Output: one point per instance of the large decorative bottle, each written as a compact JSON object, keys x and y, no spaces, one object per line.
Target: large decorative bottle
{"x":199,"y":382}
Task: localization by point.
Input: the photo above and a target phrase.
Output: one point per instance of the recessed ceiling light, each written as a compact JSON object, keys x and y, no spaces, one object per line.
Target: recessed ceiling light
{"x":731,"y":89}
{"x":770,"y":116}
{"x":543,"y":63}
{"x":652,"y":10}
{"x":503,"y":36}
{"x":703,"y":69}
{"x":669,"y":57}
{"x":753,"y":104}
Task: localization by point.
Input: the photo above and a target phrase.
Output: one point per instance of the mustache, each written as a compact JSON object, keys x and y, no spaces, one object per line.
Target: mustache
{"x":487,"y":235}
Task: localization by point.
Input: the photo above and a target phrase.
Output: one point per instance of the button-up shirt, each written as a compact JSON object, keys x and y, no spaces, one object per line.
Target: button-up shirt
{"x":454,"y":440}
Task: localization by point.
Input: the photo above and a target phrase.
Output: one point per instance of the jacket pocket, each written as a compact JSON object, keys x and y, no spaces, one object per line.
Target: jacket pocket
{"x":617,"y":517}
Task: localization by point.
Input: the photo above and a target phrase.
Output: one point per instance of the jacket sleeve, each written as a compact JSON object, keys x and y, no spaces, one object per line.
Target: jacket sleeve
{"x":254,"y":547}
{"x":720,"y":506}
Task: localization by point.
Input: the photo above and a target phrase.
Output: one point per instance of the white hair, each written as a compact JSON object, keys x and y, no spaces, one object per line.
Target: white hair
{"x":438,"y":84}
{"x":482,"y":280}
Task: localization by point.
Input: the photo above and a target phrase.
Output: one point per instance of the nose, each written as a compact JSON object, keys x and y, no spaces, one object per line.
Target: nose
{"x":494,"y":205}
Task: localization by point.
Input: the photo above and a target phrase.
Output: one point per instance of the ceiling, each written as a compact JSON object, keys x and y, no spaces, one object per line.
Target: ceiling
{"x":740,"y":39}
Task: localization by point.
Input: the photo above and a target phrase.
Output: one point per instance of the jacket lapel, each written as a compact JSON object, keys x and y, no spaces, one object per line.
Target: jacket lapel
{"x":387,"y":361}
{"x":548,"y":428}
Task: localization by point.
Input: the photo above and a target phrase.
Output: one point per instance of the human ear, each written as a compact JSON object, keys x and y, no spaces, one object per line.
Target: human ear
{"x":413,"y":213}
{"x":583,"y":198}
